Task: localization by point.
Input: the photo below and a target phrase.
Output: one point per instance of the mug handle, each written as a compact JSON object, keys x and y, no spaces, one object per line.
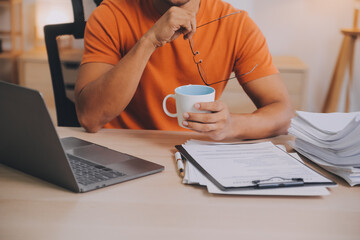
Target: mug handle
{"x":164,"y":106}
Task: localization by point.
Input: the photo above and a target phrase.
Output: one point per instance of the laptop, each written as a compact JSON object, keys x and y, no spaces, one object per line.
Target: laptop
{"x":29,"y":143}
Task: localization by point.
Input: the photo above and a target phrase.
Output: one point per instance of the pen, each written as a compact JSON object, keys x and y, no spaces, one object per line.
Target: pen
{"x":180,"y":164}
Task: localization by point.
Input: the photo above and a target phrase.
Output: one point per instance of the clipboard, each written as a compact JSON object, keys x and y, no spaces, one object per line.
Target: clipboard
{"x":265,"y":183}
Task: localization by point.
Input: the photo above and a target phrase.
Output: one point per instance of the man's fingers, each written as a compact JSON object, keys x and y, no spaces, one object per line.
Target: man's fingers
{"x":216,"y":106}
{"x":173,"y":23}
{"x":203,"y":117}
{"x":217,"y":112}
{"x":185,"y":29}
{"x":190,"y":34}
{"x":201,"y":127}
{"x":216,"y":123}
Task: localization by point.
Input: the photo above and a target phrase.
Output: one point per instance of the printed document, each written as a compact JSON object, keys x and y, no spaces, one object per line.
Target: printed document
{"x":331,"y":140}
{"x":238,"y":165}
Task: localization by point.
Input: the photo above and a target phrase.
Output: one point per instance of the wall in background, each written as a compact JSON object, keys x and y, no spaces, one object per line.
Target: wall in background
{"x":247,"y":5}
{"x":310,"y":30}
{"x":29,"y":24}
{"x":4,"y":18}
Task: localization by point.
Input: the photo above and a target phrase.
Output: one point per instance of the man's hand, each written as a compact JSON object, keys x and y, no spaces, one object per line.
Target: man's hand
{"x":216,"y":124}
{"x":272,"y":117}
{"x":171,"y":25}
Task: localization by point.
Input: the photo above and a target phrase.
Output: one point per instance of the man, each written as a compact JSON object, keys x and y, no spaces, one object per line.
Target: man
{"x":134,"y":56}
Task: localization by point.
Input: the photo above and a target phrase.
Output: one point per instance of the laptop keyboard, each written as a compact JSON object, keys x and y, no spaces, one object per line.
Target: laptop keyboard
{"x":87,"y":172}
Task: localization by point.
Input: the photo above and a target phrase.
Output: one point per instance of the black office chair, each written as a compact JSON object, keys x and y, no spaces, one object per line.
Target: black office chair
{"x":65,"y":108}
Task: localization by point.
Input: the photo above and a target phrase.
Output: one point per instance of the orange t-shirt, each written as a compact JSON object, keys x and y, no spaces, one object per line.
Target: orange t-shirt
{"x":232,"y":44}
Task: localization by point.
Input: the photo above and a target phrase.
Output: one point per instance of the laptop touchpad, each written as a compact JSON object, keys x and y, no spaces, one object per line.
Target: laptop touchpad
{"x":99,"y":154}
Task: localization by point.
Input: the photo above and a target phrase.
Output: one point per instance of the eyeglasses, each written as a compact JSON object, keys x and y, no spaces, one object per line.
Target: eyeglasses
{"x":198,"y":61}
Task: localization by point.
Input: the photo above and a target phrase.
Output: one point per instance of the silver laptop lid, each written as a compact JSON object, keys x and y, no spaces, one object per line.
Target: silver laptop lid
{"x":28,"y":139}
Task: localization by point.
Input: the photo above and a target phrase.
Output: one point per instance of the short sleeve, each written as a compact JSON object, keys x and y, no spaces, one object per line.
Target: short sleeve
{"x":101,"y":37}
{"x":253,"y":58}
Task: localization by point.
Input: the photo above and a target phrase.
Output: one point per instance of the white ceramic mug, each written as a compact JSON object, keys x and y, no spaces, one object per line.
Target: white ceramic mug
{"x":186,"y":97}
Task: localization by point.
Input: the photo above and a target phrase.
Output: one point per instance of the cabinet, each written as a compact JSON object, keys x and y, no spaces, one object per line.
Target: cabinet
{"x":294,"y":74}
{"x":11,"y":40}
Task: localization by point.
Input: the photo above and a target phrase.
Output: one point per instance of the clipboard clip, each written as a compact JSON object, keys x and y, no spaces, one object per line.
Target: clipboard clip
{"x":281,"y":182}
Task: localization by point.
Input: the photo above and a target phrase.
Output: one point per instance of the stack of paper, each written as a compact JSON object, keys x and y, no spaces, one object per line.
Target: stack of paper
{"x":331,"y":140}
{"x":238,"y":164}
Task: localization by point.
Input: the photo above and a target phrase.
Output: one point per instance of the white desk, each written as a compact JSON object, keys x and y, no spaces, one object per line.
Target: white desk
{"x":161,"y":207}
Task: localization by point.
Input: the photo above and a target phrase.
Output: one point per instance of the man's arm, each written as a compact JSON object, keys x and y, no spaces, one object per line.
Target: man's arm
{"x":103,"y":91}
{"x":270,"y":119}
